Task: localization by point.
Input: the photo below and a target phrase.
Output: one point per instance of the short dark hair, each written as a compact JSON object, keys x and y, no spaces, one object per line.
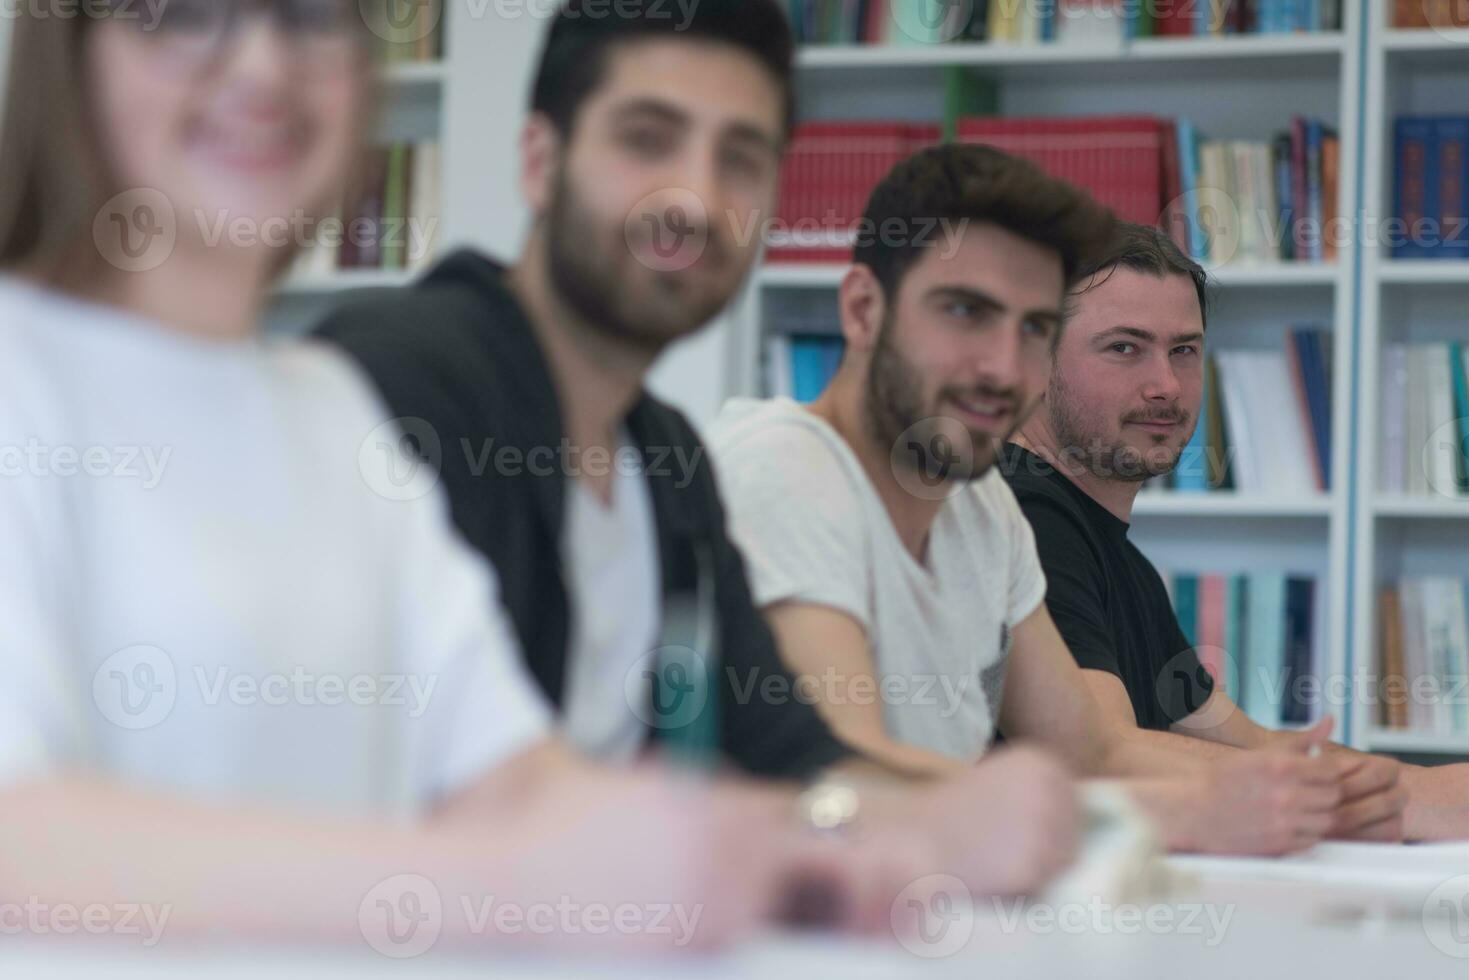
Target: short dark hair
{"x":1149,"y":251}
{"x":957,"y":181}
{"x":574,"y":59}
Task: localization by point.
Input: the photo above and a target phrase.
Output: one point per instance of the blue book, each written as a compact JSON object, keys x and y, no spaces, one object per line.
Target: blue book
{"x":1284,"y":195}
{"x":1188,"y":174}
{"x":808,"y":368}
{"x":1263,"y":686}
{"x":1415,"y":184}
{"x":1460,"y":372}
{"x":1300,"y":597}
{"x":1268,"y":17}
{"x":1321,"y":354}
{"x":1451,"y":155}
{"x":1311,"y":359}
{"x":1192,"y":473}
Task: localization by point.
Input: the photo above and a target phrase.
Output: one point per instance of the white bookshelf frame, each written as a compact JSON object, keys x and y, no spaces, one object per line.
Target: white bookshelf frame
{"x":1380,"y":520}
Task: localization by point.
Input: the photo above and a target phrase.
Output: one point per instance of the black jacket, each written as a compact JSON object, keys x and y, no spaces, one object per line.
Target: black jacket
{"x":457,"y":351}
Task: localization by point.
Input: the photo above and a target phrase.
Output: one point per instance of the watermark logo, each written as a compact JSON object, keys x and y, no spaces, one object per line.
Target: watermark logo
{"x":934,"y":916}
{"x":401,"y":459}
{"x":1444,"y":457}
{"x":667,"y":688}
{"x":402,"y":917}
{"x":1184,"y":684}
{"x":401,"y":21}
{"x":933,"y":458}
{"x":1215,"y":216}
{"x":1446,"y":917}
{"x":136,"y":230}
{"x":1447,"y":18}
{"x":136,"y":687}
{"x":1097,"y":917}
{"x":668,"y":230}
{"x":935,"y":21}
{"x":34,"y":917}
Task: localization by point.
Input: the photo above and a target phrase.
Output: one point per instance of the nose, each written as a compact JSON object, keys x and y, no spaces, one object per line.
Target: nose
{"x":999,"y":356}
{"x":1162,"y":385}
{"x":698,"y":173}
{"x":259,"y":52}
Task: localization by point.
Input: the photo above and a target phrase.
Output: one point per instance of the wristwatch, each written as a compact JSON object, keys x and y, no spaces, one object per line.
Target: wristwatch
{"x":829,"y":806}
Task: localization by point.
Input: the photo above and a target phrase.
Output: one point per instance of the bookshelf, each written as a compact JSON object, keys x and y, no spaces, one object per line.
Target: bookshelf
{"x":1401,"y":301}
{"x":411,"y":98}
{"x":1245,"y":87}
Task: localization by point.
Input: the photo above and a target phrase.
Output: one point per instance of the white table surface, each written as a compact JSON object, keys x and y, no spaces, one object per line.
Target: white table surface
{"x":1361,"y":916}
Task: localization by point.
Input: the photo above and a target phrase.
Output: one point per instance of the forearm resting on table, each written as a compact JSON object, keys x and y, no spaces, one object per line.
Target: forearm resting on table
{"x":234,"y":871}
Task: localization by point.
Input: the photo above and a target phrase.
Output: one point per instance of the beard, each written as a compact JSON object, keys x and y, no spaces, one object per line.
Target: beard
{"x":1104,"y":457}
{"x":895,"y":410}
{"x":594,"y":272}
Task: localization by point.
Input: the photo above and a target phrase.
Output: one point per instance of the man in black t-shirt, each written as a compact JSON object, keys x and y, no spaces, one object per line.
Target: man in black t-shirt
{"x":1125,"y":390}
{"x":1107,"y":599}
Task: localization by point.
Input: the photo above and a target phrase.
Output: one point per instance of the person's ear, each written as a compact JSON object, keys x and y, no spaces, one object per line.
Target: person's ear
{"x":863,"y":307}
{"x":540,"y":158}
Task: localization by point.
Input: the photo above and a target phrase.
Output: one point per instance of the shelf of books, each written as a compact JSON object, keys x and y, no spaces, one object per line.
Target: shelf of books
{"x":1251,"y":119}
{"x":385,"y":228}
{"x":1411,"y":639}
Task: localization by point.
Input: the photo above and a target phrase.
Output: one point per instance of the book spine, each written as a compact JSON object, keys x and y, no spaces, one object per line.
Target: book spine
{"x":1410,"y":187}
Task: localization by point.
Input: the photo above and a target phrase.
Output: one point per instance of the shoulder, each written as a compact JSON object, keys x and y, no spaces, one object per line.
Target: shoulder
{"x":41,"y":334}
{"x":779,"y":441}
{"x":995,"y":499}
{"x":443,"y":319}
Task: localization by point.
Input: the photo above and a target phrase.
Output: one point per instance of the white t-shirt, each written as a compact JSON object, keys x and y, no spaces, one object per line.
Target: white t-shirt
{"x":610,"y":554}
{"x":205,"y":586}
{"x":814,"y":530}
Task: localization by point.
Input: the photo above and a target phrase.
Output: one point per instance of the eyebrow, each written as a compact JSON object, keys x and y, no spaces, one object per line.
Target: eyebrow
{"x":1147,"y":336}
{"x":663,"y":112}
{"x":980,"y":298}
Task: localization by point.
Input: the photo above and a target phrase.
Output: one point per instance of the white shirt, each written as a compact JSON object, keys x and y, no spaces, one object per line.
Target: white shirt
{"x":814,"y":530}
{"x":610,"y":554}
{"x":206,"y":588}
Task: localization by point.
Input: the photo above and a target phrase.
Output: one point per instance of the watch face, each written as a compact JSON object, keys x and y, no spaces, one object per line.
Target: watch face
{"x":830,"y":807}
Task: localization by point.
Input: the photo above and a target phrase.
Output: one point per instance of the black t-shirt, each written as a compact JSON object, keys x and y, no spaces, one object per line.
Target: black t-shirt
{"x":1107,"y":599}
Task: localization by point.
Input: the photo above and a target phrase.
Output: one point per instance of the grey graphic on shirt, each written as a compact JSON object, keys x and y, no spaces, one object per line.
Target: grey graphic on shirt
{"x":992,"y":678}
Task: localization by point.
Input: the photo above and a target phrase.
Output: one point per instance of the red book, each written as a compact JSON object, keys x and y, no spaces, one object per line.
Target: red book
{"x":1330,"y":188}
{"x":1211,"y":626}
{"x":1170,"y":207}
{"x":1117,"y":159}
{"x":1175,"y":18}
{"x":830,"y":171}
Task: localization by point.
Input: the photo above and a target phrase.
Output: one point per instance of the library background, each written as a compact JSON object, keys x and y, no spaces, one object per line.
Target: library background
{"x":1321,"y":536}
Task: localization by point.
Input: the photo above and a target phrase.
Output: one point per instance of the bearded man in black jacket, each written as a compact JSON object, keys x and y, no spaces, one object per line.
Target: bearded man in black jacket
{"x":651,"y":154}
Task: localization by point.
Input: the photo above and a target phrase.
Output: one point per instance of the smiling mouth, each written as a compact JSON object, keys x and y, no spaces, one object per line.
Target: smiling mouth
{"x":983,"y":413}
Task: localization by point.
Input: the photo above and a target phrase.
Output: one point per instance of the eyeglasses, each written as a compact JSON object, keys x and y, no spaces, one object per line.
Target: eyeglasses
{"x":325,"y":33}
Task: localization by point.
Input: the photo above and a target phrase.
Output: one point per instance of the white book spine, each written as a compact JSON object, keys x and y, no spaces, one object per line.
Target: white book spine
{"x":1440,"y":462}
{"x":1393,"y":449}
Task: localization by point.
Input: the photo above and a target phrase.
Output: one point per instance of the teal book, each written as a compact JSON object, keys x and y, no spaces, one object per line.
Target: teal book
{"x":1192,"y":473}
{"x":808,"y":366}
{"x":1236,"y":592}
{"x":1459,"y":368}
{"x":1265,"y":670}
{"x":1188,"y":170}
{"x":1186,"y":603}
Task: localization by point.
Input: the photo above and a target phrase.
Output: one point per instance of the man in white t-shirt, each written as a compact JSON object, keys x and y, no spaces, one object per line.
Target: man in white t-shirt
{"x":894,"y":565}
